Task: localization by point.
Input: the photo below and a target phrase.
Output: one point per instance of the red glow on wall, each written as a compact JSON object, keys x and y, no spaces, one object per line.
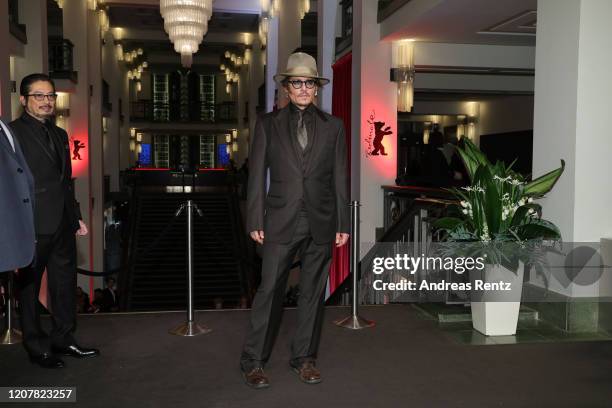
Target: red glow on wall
{"x":79,"y":155}
{"x":379,"y":138}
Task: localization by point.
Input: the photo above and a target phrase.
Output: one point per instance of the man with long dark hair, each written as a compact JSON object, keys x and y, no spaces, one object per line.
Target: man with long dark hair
{"x":57,"y":219}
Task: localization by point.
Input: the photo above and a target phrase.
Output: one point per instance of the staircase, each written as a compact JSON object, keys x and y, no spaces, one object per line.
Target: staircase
{"x":157,"y":271}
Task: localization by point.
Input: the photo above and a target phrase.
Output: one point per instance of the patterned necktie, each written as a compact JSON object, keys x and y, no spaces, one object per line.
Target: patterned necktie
{"x":302,"y":134}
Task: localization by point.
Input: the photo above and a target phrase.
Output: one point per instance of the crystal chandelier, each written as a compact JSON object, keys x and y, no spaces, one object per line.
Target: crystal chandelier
{"x":186,"y":22}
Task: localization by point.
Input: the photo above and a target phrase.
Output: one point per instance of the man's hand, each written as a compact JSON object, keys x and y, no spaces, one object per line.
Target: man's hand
{"x":82,"y":231}
{"x":257,"y":236}
{"x":341,"y":238}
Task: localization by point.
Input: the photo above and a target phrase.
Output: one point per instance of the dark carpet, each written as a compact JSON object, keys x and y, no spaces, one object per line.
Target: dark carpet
{"x":405,"y":361}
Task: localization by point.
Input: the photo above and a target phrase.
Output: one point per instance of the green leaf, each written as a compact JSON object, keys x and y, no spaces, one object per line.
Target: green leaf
{"x":472,"y":158}
{"x":545,"y":183}
{"x":538,"y":231}
{"x":521,"y":217}
{"x":492,"y":202}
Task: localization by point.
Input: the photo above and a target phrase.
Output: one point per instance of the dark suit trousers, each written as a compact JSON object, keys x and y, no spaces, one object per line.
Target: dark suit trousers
{"x":267,"y":306}
{"x":57,"y":253}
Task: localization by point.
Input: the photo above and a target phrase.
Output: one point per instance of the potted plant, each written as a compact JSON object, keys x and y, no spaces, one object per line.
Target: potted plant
{"x":497,"y":217}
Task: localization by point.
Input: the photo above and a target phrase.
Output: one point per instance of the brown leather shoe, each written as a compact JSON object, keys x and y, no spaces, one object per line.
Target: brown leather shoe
{"x":256,"y":378}
{"x":308,"y":373}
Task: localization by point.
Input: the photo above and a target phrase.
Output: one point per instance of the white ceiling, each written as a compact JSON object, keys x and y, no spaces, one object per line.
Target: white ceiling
{"x":495,"y":22}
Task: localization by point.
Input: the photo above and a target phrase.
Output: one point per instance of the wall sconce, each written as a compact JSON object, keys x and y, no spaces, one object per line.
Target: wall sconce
{"x":304,"y":7}
{"x":471,"y":130}
{"x":426,"y":128}
{"x":104,"y":23}
{"x":62,"y":102}
{"x":264,"y":24}
{"x":119,"y":51}
{"x":132,"y":132}
{"x":274,"y":8}
{"x":228,"y":88}
{"x":118,"y":33}
{"x":247,"y":38}
{"x":60,"y":3}
{"x":139,"y":137}
{"x":235,"y":134}
{"x":228,"y":138}
{"x":227,"y":54}
{"x":402,"y":72}
{"x":222,"y":67}
{"x":145,"y":64}
{"x":460,"y":126}
{"x":140,"y":51}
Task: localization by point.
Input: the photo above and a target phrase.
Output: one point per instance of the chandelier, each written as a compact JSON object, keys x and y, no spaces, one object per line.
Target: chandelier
{"x":186,"y":22}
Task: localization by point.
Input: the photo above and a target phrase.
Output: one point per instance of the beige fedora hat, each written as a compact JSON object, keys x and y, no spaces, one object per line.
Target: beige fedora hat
{"x":301,"y":64}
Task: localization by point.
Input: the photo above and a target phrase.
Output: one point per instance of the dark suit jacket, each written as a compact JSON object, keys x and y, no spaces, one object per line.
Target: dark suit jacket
{"x":54,"y":190}
{"x":321,"y":185}
{"x":16,"y":215}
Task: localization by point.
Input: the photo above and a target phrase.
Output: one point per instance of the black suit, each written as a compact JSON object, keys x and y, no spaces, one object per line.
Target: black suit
{"x":56,"y":214}
{"x":16,"y":200}
{"x":304,"y":208}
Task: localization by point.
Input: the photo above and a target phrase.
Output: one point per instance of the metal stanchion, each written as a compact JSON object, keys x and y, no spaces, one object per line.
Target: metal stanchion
{"x":10,"y":334}
{"x":189,"y":328}
{"x":354,"y":321}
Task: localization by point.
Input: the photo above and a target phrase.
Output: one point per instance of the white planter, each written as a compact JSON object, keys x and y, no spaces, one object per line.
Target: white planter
{"x":496,"y":313}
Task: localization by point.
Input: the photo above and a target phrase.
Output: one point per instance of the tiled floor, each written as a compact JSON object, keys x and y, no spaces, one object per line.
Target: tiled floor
{"x":529,"y":330}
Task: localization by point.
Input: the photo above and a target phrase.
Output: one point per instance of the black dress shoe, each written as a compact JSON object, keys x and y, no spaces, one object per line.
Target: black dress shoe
{"x":47,"y":360}
{"x":77,"y":351}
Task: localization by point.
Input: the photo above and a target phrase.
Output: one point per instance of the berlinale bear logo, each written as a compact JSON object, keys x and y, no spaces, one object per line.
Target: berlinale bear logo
{"x":76,"y":147}
{"x":374,"y":140}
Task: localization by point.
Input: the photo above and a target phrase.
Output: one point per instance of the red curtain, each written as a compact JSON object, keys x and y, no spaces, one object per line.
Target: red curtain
{"x":341,"y":107}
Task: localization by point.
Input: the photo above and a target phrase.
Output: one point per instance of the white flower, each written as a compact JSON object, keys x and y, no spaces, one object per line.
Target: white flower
{"x":531,"y":211}
{"x":530,"y":200}
{"x":468,"y":188}
{"x":521,"y":201}
{"x":515,"y":182}
{"x":464,"y":211}
{"x":464,"y":204}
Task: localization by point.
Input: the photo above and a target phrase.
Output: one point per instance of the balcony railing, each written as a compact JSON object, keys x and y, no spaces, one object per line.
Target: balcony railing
{"x":345,"y":41}
{"x":146,"y":110}
{"x":60,"y":59}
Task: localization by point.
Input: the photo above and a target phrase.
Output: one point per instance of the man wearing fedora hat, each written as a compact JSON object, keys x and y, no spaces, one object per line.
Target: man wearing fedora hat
{"x":304,"y":211}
